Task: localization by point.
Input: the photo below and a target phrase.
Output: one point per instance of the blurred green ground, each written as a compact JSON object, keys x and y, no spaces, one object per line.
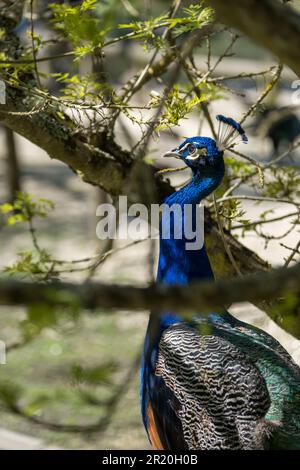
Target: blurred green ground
{"x":43,"y":369}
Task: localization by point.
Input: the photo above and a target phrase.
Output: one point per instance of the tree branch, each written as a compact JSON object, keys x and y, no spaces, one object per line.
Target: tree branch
{"x":196,"y":297}
{"x":268,"y":22}
{"x":56,"y":137}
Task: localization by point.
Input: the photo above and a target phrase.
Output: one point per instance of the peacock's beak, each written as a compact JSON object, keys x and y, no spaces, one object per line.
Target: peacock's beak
{"x":172,"y":153}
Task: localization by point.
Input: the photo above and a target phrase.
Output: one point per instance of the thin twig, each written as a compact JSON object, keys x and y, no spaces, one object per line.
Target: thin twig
{"x":226,"y":246}
{"x":33,"y":46}
{"x":264,"y":94}
{"x":263,"y":221}
{"x":240,"y":75}
{"x":293,"y":253}
{"x":188,"y":47}
{"x":175,"y":6}
{"x":257,"y":199}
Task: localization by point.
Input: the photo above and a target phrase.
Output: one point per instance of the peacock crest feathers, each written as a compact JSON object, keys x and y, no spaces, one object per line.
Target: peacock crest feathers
{"x":229,"y":132}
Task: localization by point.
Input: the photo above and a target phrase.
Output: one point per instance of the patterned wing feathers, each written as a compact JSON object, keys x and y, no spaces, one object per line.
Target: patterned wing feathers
{"x":222,"y":394}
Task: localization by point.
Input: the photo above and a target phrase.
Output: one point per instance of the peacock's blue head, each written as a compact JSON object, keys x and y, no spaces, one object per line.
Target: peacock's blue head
{"x":199,"y":153}
{"x":205,"y":155}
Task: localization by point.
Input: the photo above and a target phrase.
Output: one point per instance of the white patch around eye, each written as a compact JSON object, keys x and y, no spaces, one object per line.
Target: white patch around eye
{"x":193,"y":156}
{"x":202,"y":152}
{"x":185,"y":147}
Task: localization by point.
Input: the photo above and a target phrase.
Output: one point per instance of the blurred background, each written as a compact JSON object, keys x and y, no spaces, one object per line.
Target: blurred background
{"x":81,"y":369}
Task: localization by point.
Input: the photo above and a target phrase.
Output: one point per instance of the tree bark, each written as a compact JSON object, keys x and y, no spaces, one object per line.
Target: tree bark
{"x":13,"y":167}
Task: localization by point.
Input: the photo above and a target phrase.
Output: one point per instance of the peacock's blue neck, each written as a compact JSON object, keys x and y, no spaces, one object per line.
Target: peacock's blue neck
{"x":177,"y":263}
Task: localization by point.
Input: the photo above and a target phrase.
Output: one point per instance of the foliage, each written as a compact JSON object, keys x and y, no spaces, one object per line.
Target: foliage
{"x":283,"y":183}
{"x":36,"y":263}
{"x":195,"y":17}
{"x":179,"y":104}
{"x":93,"y":375}
{"x":32,"y":263}
{"x":82,"y":88}
{"x":76,"y":23}
{"x":24,"y":208}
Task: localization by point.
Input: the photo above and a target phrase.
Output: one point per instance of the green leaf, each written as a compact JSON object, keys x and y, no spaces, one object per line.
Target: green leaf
{"x":180,"y":103}
{"x":10,"y":393}
{"x":39,"y":316}
{"x":35,"y":406}
{"x":13,"y":219}
{"x":6,"y":207}
{"x":88,"y":5}
{"x":94,"y":375}
{"x":35,"y":264}
{"x":84,"y":30}
{"x":25,"y":207}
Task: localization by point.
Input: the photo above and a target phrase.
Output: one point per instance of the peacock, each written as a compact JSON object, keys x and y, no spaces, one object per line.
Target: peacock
{"x":212,"y":382}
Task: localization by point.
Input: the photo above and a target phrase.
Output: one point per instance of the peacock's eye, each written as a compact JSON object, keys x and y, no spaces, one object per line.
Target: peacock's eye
{"x":191,"y":149}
